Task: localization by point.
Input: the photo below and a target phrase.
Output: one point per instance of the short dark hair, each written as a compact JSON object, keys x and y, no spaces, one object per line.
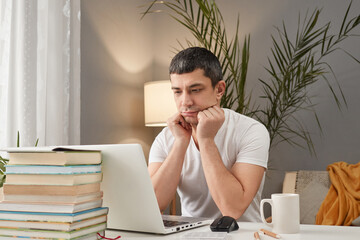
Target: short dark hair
{"x":190,"y":59}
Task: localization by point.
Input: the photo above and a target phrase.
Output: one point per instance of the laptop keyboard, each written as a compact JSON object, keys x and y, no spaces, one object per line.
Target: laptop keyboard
{"x":168,"y":223}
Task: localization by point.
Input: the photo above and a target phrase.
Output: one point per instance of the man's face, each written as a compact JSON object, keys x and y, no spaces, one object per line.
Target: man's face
{"x":193,"y":92}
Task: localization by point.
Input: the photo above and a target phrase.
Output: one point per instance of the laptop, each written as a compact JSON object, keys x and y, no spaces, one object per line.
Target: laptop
{"x":129,"y":194}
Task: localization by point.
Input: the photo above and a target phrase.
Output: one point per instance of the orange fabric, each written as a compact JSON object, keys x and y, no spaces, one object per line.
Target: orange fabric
{"x":342,"y":203}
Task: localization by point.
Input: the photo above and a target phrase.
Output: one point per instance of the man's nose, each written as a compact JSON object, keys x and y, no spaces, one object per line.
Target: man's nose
{"x":187,"y":100}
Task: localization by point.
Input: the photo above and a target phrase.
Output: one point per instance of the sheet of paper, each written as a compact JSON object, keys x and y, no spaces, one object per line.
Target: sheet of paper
{"x":206,"y":236}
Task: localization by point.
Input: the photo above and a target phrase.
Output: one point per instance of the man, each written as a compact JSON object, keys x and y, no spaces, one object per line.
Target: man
{"x":214,"y":157}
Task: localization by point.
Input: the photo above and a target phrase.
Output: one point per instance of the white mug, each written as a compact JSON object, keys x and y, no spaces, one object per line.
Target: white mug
{"x":285,"y":211}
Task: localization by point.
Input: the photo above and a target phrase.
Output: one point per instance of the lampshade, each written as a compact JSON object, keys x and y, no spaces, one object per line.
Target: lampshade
{"x":159,"y":103}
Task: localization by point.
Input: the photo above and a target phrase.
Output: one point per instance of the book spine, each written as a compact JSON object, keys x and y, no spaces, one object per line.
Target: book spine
{"x":50,"y":190}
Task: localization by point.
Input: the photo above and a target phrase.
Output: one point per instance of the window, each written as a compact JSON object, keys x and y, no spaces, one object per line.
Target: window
{"x":5,"y":21}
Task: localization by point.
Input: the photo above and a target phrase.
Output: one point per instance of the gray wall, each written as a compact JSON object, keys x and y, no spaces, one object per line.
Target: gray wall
{"x":119,"y":52}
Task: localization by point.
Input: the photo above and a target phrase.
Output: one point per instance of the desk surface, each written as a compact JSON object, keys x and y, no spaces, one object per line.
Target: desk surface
{"x":247,"y":229}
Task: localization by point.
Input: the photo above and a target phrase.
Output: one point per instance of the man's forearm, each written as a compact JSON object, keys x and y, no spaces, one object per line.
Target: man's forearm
{"x":226,"y":190}
{"x":166,"y":178}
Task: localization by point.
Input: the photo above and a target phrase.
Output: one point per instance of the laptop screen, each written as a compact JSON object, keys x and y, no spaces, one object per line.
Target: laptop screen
{"x":128,"y":191}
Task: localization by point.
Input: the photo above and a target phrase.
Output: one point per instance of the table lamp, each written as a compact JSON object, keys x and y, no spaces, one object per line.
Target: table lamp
{"x":159,"y":103}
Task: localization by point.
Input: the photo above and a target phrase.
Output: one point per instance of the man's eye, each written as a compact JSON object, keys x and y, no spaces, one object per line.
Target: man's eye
{"x":177,"y":92}
{"x":195,"y":90}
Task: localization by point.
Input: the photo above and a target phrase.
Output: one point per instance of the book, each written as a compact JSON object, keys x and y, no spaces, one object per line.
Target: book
{"x":60,"y":208}
{"x":56,"y":156}
{"x":53,"y":179}
{"x":51,"y":190}
{"x":51,"y":198}
{"x":91,"y":236}
{"x":60,"y":226}
{"x":53,"y":217}
{"x":23,"y":232}
{"x":43,"y":169}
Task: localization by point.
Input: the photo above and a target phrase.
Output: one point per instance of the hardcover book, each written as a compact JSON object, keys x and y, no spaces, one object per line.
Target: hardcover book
{"x":60,"y":226}
{"x":53,"y":179}
{"x":43,"y":169}
{"x":56,"y":156}
{"x":52,"y":217}
{"x":60,"y":208}
{"x":60,"y":190}
{"x":91,"y":236}
{"x":52,"y":234}
{"x":51,"y":198}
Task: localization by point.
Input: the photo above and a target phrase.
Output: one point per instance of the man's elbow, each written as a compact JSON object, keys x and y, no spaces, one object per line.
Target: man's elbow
{"x":234,"y":211}
{"x":161,"y":203}
{"x":162,"y":206}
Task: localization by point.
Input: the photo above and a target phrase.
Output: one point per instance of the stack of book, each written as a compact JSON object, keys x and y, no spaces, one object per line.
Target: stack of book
{"x":52,"y":195}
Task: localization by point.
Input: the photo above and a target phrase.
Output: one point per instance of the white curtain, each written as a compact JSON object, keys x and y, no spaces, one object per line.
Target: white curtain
{"x":40,"y":72}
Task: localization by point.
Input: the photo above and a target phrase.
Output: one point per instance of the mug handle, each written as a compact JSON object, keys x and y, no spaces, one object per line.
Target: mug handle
{"x":262,"y":211}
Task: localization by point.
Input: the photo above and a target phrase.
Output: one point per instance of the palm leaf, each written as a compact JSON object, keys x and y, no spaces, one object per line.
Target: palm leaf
{"x":205,"y":22}
{"x":287,"y":90}
{"x":293,"y":67}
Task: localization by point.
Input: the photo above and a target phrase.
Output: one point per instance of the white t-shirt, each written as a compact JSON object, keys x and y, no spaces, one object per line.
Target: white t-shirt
{"x":240,"y":139}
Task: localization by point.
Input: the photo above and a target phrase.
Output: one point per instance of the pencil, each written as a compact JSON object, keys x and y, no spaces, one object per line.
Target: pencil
{"x":256,"y":236}
{"x":271,"y":234}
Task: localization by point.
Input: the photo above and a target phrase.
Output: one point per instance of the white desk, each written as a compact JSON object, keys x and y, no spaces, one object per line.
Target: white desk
{"x":247,"y":229}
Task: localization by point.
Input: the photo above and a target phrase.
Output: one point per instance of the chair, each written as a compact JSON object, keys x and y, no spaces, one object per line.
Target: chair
{"x":172,"y":207}
{"x":312,"y":187}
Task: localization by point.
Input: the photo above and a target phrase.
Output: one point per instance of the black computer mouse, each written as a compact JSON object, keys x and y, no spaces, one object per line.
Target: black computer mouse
{"x":224,"y":224}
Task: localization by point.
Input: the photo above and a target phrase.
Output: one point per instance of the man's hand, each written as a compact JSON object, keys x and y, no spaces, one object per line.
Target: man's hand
{"x":180,"y":129}
{"x":209,"y":122}
{"x":165,"y":176}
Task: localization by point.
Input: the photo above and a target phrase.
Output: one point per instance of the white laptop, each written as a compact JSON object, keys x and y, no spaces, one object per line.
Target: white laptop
{"x":129,"y":194}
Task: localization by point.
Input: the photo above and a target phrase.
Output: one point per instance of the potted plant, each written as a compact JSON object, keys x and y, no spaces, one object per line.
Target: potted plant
{"x":293,"y":67}
{"x":4,"y":161}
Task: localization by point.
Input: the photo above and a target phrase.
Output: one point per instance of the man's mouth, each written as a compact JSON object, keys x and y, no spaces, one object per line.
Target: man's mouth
{"x":189,"y":113}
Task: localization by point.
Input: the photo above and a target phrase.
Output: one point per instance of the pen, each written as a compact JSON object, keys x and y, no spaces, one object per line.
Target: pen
{"x":271,"y":234}
{"x":256,"y":236}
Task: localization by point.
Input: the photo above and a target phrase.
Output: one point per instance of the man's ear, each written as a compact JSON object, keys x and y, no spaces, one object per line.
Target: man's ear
{"x":220,"y":89}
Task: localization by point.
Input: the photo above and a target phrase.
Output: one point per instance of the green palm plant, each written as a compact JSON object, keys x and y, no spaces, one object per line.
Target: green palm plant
{"x":206,"y":24}
{"x":4,"y":161}
{"x":293,"y":66}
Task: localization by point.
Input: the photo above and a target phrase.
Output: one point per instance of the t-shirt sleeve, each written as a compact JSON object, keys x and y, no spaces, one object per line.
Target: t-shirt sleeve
{"x":254,"y":146}
{"x":158,"y":150}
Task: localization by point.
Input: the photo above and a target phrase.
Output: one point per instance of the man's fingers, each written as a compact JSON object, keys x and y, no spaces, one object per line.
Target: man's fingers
{"x":218,"y":109}
{"x":207,"y":113}
{"x":200,"y":115}
{"x":212,"y":112}
{"x":182,"y":122}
